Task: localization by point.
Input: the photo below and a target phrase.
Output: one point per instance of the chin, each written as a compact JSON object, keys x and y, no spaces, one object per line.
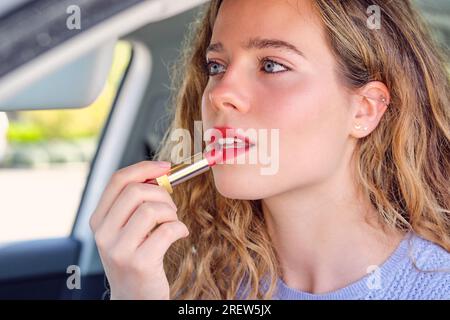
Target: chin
{"x":236,"y":182}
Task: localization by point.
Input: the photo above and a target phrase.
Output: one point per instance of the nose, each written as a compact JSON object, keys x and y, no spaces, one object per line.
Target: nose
{"x":229,"y":94}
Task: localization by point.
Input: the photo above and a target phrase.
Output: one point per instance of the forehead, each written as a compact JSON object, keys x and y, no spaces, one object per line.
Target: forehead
{"x":293,"y":21}
{"x":280,"y":16}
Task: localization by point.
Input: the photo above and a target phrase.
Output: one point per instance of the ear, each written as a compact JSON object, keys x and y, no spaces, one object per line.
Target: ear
{"x":368,"y":106}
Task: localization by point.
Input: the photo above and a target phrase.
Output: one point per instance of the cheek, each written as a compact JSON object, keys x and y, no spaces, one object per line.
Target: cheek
{"x":312,"y":123}
{"x":204,"y":108}
{"x":207,"y":114}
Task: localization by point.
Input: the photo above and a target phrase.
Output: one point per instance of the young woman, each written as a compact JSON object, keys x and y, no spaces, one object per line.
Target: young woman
{"x":360,"y":205}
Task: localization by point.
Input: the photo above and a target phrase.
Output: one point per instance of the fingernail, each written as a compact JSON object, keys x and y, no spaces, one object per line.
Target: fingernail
{"x":164,"y":164}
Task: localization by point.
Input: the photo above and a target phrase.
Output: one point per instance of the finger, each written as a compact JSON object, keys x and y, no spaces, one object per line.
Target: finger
{"x":147,"y":216}
{"x":128,"y":201}
{"x":138,"y":172}
{"x":162,"y":238}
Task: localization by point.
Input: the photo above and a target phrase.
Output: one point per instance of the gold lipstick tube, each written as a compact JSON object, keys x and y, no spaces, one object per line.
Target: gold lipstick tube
{"x":186,"y":170}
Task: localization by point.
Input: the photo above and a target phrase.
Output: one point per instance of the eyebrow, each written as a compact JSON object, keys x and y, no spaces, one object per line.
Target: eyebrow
{"x":258,"y":43}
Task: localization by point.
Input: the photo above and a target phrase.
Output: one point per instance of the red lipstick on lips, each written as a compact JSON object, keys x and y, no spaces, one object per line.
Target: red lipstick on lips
{"x":231,"y":152}
{"x":201,"y":162}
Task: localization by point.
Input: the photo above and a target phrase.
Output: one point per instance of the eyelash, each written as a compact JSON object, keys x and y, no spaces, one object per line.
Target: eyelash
{"x":260,"y":60}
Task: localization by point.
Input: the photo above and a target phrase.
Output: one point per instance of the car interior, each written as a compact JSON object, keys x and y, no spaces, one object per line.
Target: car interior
{"x":37,"y":269}
{"x":75,"y":65}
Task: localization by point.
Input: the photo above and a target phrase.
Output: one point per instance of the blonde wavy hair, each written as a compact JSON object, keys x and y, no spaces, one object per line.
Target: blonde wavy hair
{"x":403,"y":166}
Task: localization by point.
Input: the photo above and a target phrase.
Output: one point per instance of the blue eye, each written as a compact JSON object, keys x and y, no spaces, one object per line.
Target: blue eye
{"x":208,"y":65}
{"x":273,"y":65}
{"x":266,"y":63}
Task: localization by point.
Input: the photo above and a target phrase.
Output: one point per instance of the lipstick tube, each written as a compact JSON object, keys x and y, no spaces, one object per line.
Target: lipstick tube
{"x":195,"y":165}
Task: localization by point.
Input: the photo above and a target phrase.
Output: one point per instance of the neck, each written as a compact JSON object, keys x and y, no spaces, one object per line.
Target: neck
{"x":326,"y":236}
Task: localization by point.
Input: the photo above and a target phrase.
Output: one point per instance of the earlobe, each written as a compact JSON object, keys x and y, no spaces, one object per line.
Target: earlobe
{"x":360,"y":127}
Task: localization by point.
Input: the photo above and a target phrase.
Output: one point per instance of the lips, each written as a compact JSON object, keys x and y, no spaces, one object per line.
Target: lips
{"x":228,"y":136}
{"x":229,"y":142}
{"x":228,"y":132}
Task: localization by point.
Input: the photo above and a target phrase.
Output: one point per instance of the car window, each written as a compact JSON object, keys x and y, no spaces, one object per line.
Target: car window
{"x":45,"y":157}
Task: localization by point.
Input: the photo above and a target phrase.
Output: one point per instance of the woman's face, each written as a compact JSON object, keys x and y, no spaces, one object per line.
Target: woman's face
{"x":297,"y":94}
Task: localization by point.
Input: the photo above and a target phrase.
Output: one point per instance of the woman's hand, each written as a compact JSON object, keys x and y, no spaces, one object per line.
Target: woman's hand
{"x":134,"y":224}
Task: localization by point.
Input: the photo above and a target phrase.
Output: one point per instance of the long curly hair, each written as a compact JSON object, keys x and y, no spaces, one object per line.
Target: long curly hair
{"x":403,"y":166}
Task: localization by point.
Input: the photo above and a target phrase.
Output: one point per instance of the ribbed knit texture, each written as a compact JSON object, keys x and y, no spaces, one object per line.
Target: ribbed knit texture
{"x":395,"y":279}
